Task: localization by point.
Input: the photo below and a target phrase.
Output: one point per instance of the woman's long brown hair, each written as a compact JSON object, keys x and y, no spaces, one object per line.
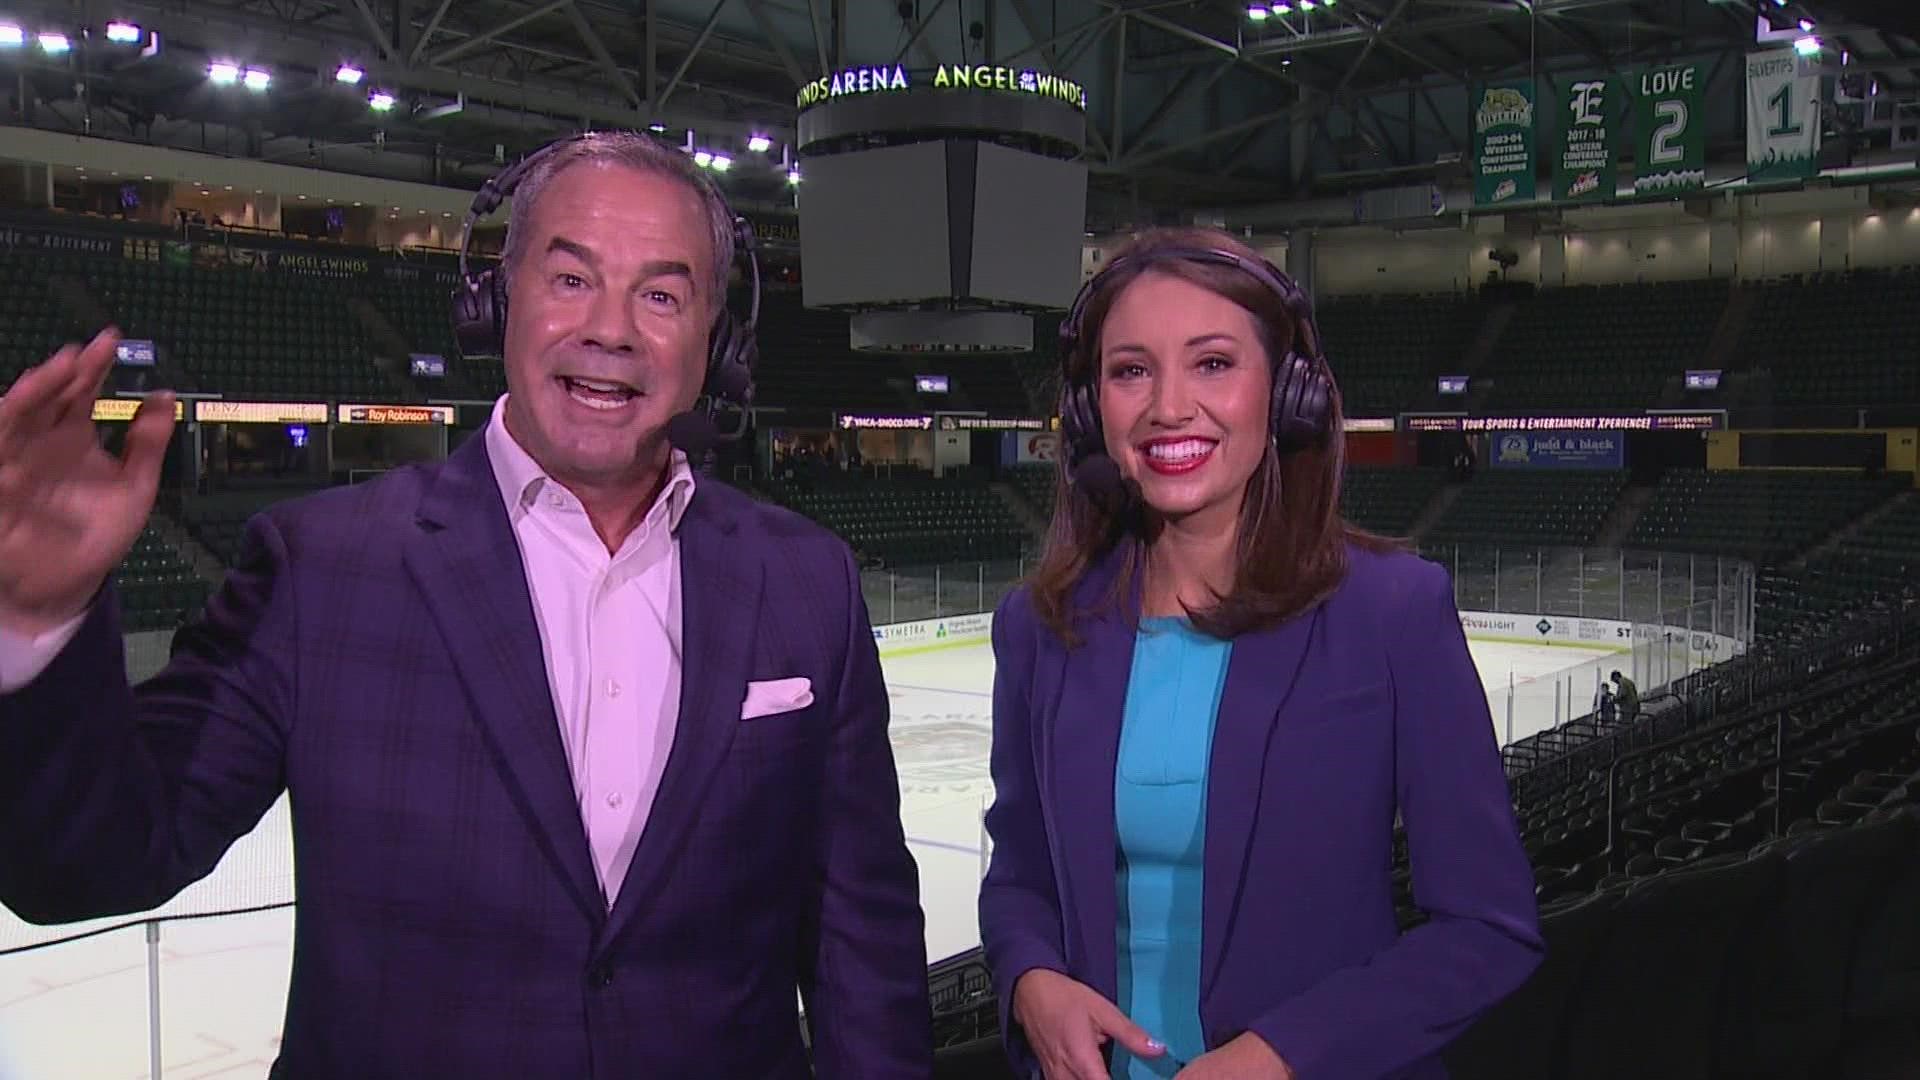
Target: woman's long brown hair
{"x":1292,"y":540}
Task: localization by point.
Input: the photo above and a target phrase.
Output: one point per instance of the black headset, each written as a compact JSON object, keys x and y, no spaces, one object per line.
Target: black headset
{"x":1300,"y":413}
{"x":480,"y":299}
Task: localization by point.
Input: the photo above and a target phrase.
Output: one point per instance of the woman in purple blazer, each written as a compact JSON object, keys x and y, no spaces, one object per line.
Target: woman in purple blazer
{"x":1210,"y":704}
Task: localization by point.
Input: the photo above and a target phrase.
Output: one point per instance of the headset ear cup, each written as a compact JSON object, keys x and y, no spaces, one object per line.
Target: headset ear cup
{"x":1079,"y":423}
{"x":730,"y":361}
{"x":1302,"y":403}
{"x":479,"y":315}
{"x":497,"y":317}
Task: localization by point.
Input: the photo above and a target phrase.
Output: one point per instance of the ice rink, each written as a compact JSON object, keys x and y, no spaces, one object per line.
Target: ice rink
{"x":79,"y":1010}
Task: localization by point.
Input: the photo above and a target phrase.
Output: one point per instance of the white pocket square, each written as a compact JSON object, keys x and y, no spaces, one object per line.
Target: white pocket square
{"x":771,"y":696}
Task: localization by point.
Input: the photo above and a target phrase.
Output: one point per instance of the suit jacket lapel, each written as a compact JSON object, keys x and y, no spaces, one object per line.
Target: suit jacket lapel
{"x":466,"y":561}
{"x":1083,"y":749}
{"x":720,"y":603}
{"x":1261,"y":673}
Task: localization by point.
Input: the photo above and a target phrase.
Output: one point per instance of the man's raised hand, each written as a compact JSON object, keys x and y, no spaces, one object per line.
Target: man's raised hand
{"x":69,"y":510}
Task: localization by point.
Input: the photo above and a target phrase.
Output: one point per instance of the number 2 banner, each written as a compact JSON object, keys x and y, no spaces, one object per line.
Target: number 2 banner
{"x":1783,"y":121}
{"x":1669,"y":129}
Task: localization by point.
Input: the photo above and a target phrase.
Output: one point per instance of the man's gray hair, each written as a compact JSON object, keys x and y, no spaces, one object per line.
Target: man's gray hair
{"x":634,"y":150}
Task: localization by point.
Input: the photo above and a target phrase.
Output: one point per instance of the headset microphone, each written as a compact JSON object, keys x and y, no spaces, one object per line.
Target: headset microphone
{"x":1100,"y":478}
{"x":693,"y":432}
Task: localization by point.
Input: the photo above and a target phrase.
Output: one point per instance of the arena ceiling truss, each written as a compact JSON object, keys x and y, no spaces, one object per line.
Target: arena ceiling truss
{"x":1188,"y":101}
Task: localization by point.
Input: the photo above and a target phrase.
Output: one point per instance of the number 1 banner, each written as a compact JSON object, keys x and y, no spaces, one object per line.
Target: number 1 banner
{"x":1783,"y":120}
{"x":1669,"y":129}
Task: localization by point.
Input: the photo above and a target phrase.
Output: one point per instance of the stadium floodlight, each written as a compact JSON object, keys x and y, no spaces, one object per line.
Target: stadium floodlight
{"x":1282,"y":9}
{"x":702,"y":158}
{"x":1256,"y":13}
{"x":347,"y":73}
{"x":221,"y":73}
{"x":721,"y":163}
{"x":256,"y":79}
{"x":380,"y":101}
{"x":1806,"y":26}
{"x":54,"y":43}
{"x":1306,"y":5}
{"x":123,"y":33}
{"x":12,"y":35}
{"x":759,"y":144}
{"x":1806,"y":46}
{"x":793,"y":177}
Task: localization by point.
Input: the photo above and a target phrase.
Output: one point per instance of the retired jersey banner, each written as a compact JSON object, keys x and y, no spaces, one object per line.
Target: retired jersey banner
{"x":1783,"y":119}
{"x":1669,"y":129}
{"x":1503,"y":150}
{"x":1583,"y":169}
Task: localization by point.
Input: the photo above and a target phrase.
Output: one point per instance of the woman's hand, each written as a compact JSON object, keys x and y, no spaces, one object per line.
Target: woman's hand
{"x":1247,"y":1057}
{"x":1067,"y":1023}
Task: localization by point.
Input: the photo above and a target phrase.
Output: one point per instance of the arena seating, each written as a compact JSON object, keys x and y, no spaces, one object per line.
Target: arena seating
{"x":247,"y":333}
{"x":808,"y":366}
{"x":1836,"y":338}
{"x":1796,"y":959}
{"x":1387,"y":350}
{"x":1514,"y":506}
{"x":1735,"y":966}
{"x":1381,"y":500}
{"x":1878,"y":562}
{"x":158,"y":588}
{"x":1037,"y":483}
{"x":31,"y":326}
{"x":418,"y":310}
{"x":219,"y":520}
{"x":1764,"y":516}
{"x":1387,"y":501}
{"x":1765,"y":849}
{"x":1602,"y":348}
{"x":898,"y":523}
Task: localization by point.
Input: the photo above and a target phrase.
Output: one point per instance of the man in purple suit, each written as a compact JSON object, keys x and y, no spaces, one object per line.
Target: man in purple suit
{"x":588,"y":757}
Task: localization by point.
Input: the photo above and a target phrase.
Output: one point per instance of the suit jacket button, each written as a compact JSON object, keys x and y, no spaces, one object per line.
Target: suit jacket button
{"x":600,"y":977}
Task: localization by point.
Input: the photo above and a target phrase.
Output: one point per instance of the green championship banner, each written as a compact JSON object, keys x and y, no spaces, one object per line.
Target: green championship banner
{"x":1503,"y":151}
{"x":1669,"y":129}
{"x":1783,"y":119}
{"x":1583,"y":167}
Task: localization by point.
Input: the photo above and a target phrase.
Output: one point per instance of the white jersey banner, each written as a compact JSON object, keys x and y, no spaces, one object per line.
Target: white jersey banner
{"x":1783,"y":115}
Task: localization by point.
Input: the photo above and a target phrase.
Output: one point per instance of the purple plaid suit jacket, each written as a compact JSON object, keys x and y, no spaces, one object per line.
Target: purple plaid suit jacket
{"x":374,"y":652}
{"x":1328,"y":724}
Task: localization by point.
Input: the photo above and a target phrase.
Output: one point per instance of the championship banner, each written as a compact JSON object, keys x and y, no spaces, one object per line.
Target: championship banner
{"x":1503,"y":150}
{"x":1669,"y":129}
{"x":1583,"y":168}
{"x":1783,"y":118}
